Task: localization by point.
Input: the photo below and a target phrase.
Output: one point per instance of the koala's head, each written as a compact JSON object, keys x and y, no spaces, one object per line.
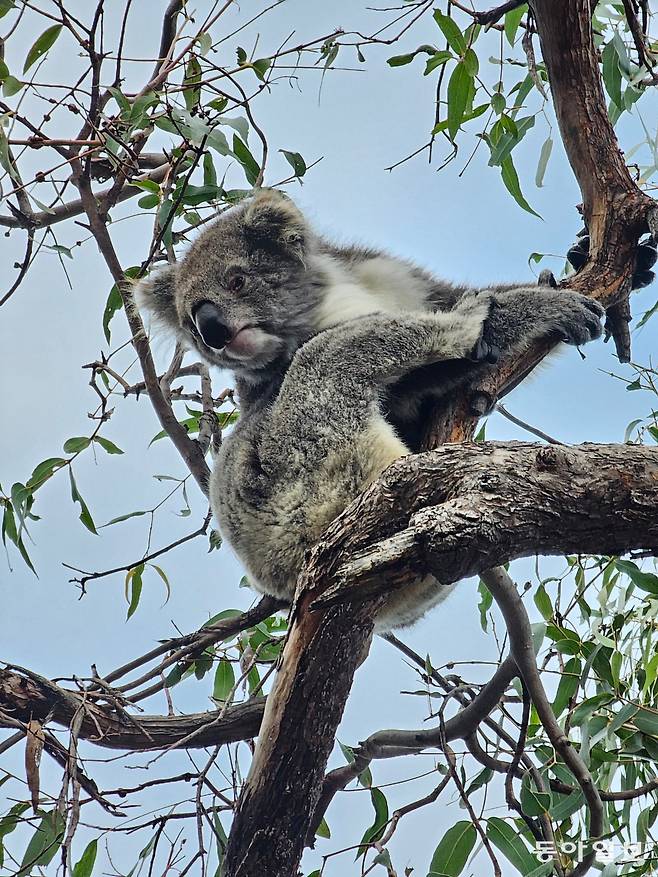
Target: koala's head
{"x":241,"y":295}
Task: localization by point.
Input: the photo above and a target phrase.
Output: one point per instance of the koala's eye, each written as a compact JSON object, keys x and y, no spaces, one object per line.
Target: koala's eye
{"x":235,"y":283}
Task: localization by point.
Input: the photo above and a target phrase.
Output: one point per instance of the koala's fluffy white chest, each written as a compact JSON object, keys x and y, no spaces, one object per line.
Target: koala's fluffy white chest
{"x":376,"y":285}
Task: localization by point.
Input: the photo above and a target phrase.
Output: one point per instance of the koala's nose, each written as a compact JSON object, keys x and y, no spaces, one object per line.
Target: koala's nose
{"x":214,"y":332}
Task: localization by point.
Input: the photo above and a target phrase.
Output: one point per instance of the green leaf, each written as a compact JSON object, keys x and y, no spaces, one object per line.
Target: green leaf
{"x":9,"y":823}
{"x":238,"y":123}
{"x":453,"y":850}
{"x":41,"y":45}
{"x":164,"y":578}
{"x":437,"y":60}
{"x":59,"y":248}
{"x":451,"y":32}
{"x":44,"y":843}
{"x":508,"y":840}
{"x":260,"y":67}
{"x":646,"y":721}
{"x":209,"y":172}
{"x":568,"y":686}
{"x":226,"y":613}
{"x":512,"y":22}
{"x":543,"y":603}
{"x":511,"y":181}
{"x":148,"y":202}
{"x":114,"y":303}
{"x":401,"y":60}
{"x":512,"y":134}
{"x":533,"y":802}
{"x":5,"y":7}
{"x":588,"y":707}
{"x":133,"y":588}
{"x":123,"y":518}
{"x":295,"y":161}
{"x":485,"y":776}
{"x":249,"y":164}
{"x":138,"y":115}
{"x":646,"y":581}
{"x":146,"y":185}
{"x":522,"y":89}
{"x":85,"y":866}
{"x":107,"y":445}
{"x":485,"y":604}
{"x":191,"y":83}
{"x":612,"y":74}
{"x":498,"y":102}
{"x":85,"y":515}
{"x":195,"y":195}
{"x":205,"y":42}
{"x":376,"y":830}
{"x":44,"y":471}
{"x":11,"y":86}
{"x":544,"y":155}
{"x":5,"y":159}
{"x":122,"y":101}
{"x":174,"y":676}
{"x":471,"y":62}
{"x":77,"y":444}
{"x":224,"y":681}
{"x":458,"y":90}
{"x":323,"y":830}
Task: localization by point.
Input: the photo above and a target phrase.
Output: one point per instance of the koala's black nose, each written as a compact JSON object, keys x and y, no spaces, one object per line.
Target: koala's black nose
{"x":208,"y":321}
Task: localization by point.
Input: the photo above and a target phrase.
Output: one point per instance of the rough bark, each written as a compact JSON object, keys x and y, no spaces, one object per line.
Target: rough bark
{"x":478,"y":505}
{"x":454,"y":512}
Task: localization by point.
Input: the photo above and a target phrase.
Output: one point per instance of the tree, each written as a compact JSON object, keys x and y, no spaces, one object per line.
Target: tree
{"x":578,"y":762}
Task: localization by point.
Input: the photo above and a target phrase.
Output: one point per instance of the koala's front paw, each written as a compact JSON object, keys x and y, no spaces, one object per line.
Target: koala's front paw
{"x":578,"y":318}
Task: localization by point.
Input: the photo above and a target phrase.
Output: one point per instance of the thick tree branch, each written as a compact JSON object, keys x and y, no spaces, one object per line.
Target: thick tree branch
{"x":470,"y":507}
{"x":453,"y":512}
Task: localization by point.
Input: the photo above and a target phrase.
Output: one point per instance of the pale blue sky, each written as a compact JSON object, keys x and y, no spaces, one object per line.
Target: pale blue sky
{"x":466,"y":228}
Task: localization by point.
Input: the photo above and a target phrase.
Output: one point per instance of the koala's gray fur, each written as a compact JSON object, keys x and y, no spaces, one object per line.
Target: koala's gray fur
{"x":335,"y":351}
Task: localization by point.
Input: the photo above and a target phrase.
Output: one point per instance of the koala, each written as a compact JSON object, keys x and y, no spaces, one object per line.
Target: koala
{"x":336,"y":352}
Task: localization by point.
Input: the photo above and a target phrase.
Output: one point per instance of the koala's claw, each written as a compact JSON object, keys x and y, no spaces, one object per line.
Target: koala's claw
{"x":645,"y":258}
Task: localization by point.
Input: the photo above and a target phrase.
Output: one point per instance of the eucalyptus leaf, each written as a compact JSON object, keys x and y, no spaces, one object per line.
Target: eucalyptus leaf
{"x":41,"y":45}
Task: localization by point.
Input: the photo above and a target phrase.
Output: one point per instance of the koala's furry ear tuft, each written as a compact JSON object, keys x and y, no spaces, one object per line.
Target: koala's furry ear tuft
{"x":155,"y":295}
{"x":273,"y":220}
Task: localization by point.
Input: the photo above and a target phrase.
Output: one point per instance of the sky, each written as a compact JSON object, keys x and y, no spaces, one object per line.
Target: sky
{"x":460,"y":223}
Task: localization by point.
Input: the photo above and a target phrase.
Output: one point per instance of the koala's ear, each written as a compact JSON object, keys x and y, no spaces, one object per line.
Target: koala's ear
{"x":272,"y":220}
{"x":155,"y":295}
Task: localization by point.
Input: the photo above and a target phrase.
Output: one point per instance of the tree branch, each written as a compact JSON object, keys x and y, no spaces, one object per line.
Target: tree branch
{"x":453,"y":512}
{"x":43,"y":219}
{"x":25,"y":695}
